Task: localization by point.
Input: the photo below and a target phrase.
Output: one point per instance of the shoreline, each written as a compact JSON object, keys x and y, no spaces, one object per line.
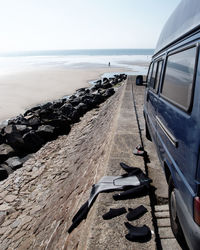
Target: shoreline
{"x":43,"y":85}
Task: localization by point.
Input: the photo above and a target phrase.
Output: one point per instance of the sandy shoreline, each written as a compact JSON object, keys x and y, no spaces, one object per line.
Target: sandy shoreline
{"x":21,"y":91}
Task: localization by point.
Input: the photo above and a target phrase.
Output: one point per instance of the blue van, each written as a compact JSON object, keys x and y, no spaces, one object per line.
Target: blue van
{"x":172,"y":116}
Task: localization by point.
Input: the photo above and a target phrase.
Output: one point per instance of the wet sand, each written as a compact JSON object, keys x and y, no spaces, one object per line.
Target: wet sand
{"x":20,"y":91}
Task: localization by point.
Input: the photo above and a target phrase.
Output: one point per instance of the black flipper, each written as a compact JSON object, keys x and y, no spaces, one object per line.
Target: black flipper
{"x":79,"y":216}
{"x":136,"y":213}
{"x":138,"y":234}
{"x":130,"y":170}
{"x":114,"y":212}
{"x":83,"y":207}
{"x":137,"y":191}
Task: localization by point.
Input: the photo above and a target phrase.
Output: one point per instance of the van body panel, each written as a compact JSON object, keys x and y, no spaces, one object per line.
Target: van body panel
{"x":190,"y":229}
{"x":184,"y":20}
{"x":175,"y":129}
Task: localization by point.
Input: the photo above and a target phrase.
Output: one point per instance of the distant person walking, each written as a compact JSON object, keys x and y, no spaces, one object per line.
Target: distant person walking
{"x":109,"y":64}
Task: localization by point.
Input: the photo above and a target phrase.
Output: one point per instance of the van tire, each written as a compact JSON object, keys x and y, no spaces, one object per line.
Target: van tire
{"x":148,"y":136}
{"x":175,"y":224}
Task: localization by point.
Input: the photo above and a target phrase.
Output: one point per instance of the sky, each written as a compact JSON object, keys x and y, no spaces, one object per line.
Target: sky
{"x":82,"y":24}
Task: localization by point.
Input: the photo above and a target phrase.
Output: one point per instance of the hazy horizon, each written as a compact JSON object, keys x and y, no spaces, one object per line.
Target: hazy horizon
{"x":37,"y":25}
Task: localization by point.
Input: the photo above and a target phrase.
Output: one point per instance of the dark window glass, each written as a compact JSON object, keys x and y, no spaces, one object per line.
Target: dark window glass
{"x":177,"y":85}
{"x":158,"y":75}
{"x":149,"y":74}
{"x":152,"y":81}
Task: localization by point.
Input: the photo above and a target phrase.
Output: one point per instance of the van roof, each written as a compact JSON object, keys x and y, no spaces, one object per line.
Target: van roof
{"x":184,"y":20}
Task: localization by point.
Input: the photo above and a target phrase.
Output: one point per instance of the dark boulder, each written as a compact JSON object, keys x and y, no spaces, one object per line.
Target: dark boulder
{"x":72,"y":97}
{"x":34,"y":121}
{"x":6,"y":151}
{"x":109,"y":92}
{"x":14,"y":163}
{"x":98,"y":82}
{"x":3,"y":174}
{"x":19,"y":120}
{"x":48,"y":114}
{"x":97,"y":85}
{"x":98,"y":99}
{"x":7,"y":168}
{"x":57,"y":104}
{"x":2,"y":139}
{"x":82,"y":109}
{"x":22,"y":129}
{"x":46,"y":105}
{"x":62,"y":126}
{"x":75,"y":101}
{"x":67,"y":109}
{"x":70,"y":112}
{"x":14,"y":138}
{"x":32,"y":141}
{"x":32,"y":110}
{"x":106,"y":85}
{"x":46,"y":132}
{"x":105,"y":80}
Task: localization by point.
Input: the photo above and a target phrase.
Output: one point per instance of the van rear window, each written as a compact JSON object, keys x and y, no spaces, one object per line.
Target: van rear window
{"x":178,"y":80}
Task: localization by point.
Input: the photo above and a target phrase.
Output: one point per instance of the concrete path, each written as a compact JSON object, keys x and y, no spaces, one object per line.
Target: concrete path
{"x":159,"y":198}
{"x":129,"y":133}
{"x":110,"y":234}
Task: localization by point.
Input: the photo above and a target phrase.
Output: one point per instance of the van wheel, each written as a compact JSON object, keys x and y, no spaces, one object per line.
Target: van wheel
{"x":175,"y":224}
{"x":148,"y":136}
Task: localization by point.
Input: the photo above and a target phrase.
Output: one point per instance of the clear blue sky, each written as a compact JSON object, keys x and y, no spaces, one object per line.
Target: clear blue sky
{"x":82,"y":24}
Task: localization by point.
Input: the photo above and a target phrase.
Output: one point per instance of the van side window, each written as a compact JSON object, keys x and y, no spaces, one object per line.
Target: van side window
{"x":178,"y":80}
{"x":158,"y":75}
{"x":149,"y":74}
{"x":153,"y":76}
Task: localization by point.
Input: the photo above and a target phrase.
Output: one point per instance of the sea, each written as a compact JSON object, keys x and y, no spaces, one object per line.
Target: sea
{"x":123,"y":58}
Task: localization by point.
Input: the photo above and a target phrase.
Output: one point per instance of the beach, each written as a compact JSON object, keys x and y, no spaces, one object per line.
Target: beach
{"x":23,"y":90}
{"x":26,"y":81}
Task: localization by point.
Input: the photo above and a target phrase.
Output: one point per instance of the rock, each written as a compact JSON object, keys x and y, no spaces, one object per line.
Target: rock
{"x":81,"y":90}
{"x":34,"y":121}
{"x":106,"y":85}
{"x":46,"y":114}
{"x":98,"y":98}
{"x":46,"y":132}
{"x":105,"y":80}
{"x":96,"y":86}
{"x":20,"y":120}
{"x":32,"y":141}
{"x":75,"y":101}
{"x":98,"y":82}
{"x":3,"y":174}
{"x":2,"y":140}
{"x":14,"y":138}
{"x":14,"y":162}
{"x":62,"y":126}
{"x":72,"y":97}
{"x":3,"y":124}
{"x":70,"y":112}
{"x":82,"y":109}
{"x":7,"y":168}
{"x":5,"y":152}
{"x":57,"y":104}
{"x":67,"y":109}
{"x":32,"y":110}
{"x":109,"y":92}
{"x":22,"y":129}
{"x":46,"y":105}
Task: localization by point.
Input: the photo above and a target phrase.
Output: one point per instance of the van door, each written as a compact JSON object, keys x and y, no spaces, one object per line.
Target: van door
{"x":177,"y":127}
{"x":152,"y":96}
